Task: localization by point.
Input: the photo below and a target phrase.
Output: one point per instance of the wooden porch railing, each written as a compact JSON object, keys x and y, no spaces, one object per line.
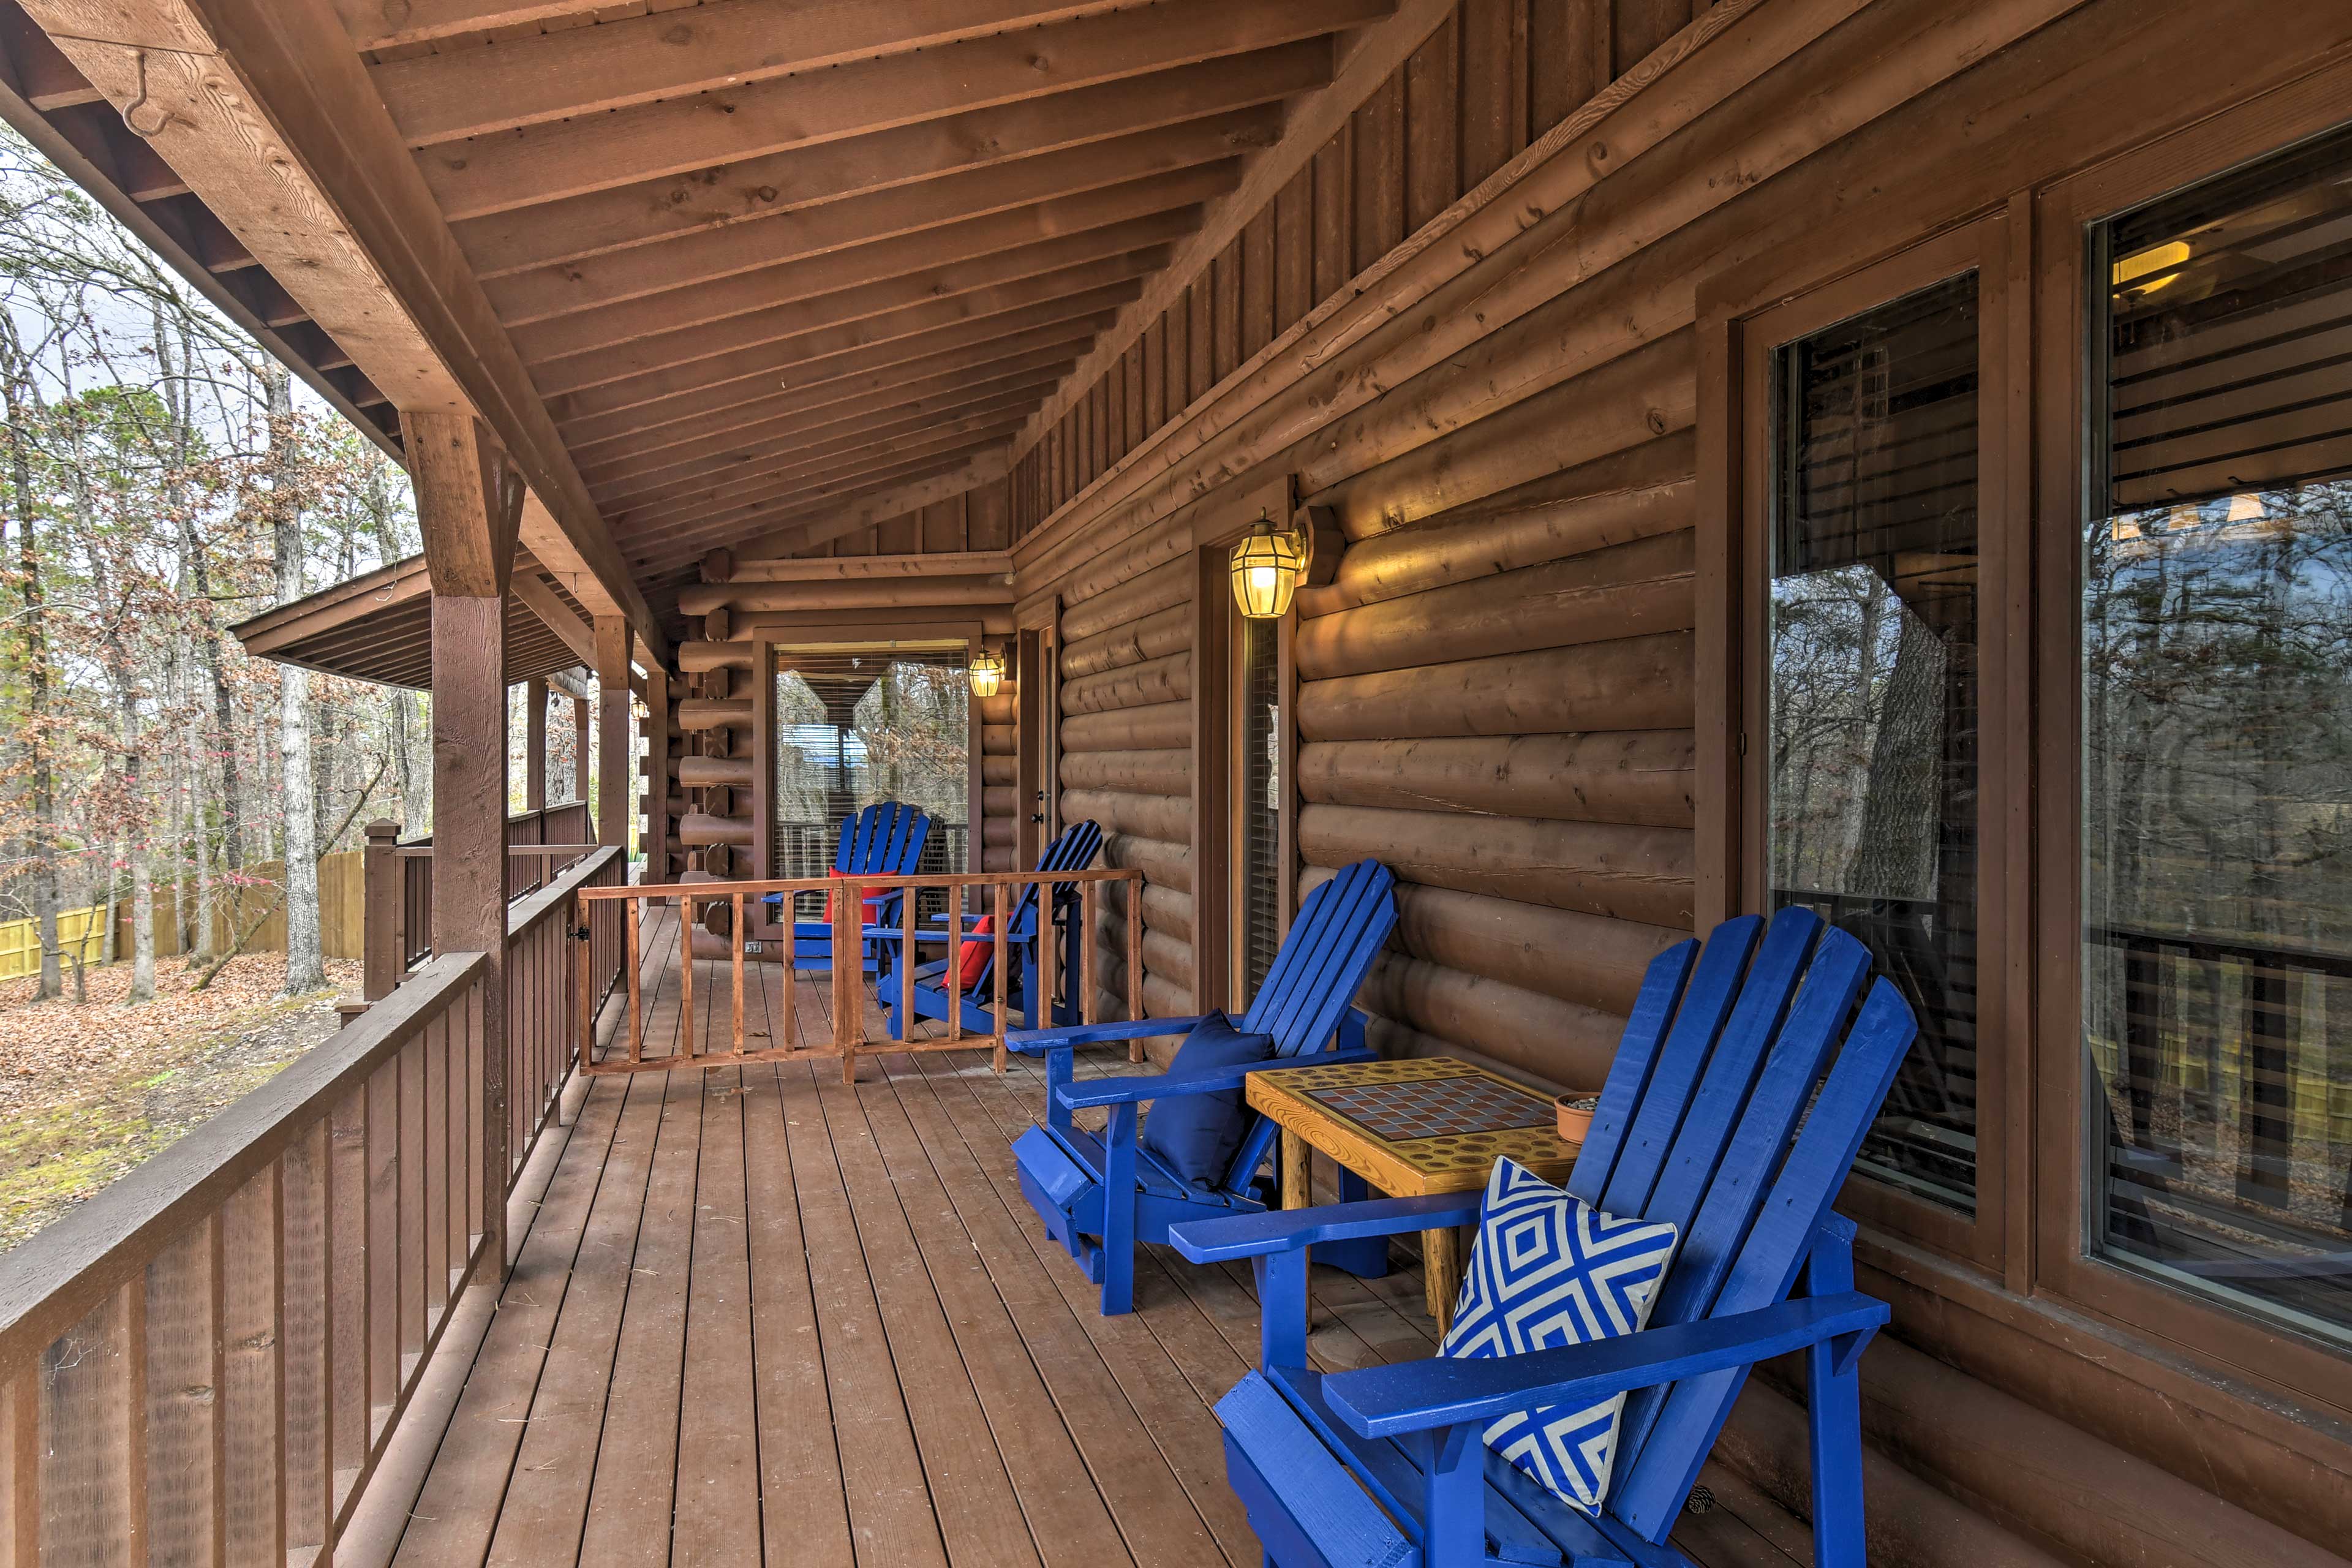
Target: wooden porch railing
{"x":205,"y":1363}
{"x":999,"y":892}
{"x":399,"y":882}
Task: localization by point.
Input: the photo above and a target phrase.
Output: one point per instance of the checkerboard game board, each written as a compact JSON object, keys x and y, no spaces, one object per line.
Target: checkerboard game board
{"x":1434,"y":1108}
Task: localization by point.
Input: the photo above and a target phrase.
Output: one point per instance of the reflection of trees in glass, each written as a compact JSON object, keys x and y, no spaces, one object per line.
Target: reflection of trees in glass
{"x":1858,"y":684}
{"x":807,"y":751}
{"x":913,"y":727}
{"x":2217,"y":644}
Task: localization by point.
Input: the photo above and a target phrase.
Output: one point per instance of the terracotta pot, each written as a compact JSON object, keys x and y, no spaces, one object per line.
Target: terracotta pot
{"x":1575,"y":1110}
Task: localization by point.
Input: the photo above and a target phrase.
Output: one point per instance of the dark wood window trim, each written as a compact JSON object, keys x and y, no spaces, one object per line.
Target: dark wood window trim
{"x":2295,"y":1367}
{"x":1741,"y":338}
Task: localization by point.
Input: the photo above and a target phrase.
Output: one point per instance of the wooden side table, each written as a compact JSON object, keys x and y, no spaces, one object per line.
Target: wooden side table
{"x":1411,"y":1128}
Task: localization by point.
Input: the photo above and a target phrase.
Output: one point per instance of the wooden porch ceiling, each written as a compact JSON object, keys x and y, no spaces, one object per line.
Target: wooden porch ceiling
{"x":760,"y":255}
{"x":379,"y":627}
{"x":759,"y":261}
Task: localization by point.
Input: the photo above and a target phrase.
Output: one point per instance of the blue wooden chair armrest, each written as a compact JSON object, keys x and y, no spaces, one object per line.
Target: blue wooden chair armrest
{"x":1231,"y":1238}
{"x":1422,"y":1396}
{"x":1033,"y":1041}
{"x":1143,"y":1088}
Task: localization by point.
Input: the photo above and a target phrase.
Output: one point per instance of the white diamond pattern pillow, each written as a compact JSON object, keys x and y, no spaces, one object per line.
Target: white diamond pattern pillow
{"x":1549,"y":1269}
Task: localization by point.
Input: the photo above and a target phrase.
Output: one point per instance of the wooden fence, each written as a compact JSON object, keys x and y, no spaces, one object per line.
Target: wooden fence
{"x":203,"y":1363}
{"x":20,"y":941}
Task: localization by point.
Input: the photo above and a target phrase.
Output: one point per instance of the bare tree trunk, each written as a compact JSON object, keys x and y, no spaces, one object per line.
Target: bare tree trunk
{"x":1895,"y":855}
{"x":14,"y":393}
{"x":306,"y":967}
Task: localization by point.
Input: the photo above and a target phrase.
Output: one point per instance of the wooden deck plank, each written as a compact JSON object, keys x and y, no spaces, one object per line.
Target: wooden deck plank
{"x":989,"y":1317}
{"x":1135,"y":1346}
{"x":546,"y":1509}
{"x":977,"y":1514}
{"x":807,"y":1522}
{"x":718,"y":1499}
{"x":765,"y":1317}
{"x":892,"y":1514}
{"x":458,"y":1510}
{"x":629,"y":1503}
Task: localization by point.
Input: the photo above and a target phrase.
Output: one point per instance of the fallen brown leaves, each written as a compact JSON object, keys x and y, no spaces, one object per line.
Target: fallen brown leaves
{"x":60,"y":1040}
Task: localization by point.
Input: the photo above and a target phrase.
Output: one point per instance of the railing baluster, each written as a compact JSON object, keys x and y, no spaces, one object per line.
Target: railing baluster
{"x":685,"y":979}
{"x":910,"y":899}
{"x":306,"y":1313}
{"x":252,"y":1374}
{"x":636,"y":992}
{"x":792,"y":1031}
{"x":413,"y":1279}
{"x":1004,"y":894}
{"x":735,"y":932}
{"x":1085,"y":937}
{"x":20,"y":1468}
{"x":89,"y":1408}
{"x":848,"y":966}
{"x":383,"y":1244}
{"x":347,"y":1232}
{"x":182,"y":1288}
{"x":434,"y":1216}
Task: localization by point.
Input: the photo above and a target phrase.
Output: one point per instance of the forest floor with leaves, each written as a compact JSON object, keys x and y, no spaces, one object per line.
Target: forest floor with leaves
{"x":89,"y":1090}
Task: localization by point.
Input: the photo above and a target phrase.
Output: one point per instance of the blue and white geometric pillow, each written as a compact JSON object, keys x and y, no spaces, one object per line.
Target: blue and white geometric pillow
{"x":1548,"y":1270}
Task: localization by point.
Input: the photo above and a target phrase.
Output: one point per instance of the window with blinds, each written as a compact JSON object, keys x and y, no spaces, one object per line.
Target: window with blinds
{"x":854,"y":727}
{"x":1259,"y":807}
{"x":1874,"y":723}
{"x":2217,"y":717}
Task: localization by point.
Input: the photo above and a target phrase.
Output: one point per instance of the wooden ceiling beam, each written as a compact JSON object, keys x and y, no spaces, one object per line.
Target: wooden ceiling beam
{"x":759,"y":188}
{"x":654,"y":399}
{"x":781,"y":437}
{"x":705,"y":259}
{"x":841,"y":397}
{"x":1374,"y":55}
{"x":853,"y":318}
{"x":540,"y":596}
{"x":823,"y":290}
{"x":538,"y":164}
{"x":390,"y":23}
{"x":674,"y":54}
{"x":1073,"y":291}
{"x":860,"y":568}
{"x":1152,"y":210}
{"x":871,"y":469}
{"x":857,"y":504}
{"x":700,"y":493}
{"x":265,"y":109}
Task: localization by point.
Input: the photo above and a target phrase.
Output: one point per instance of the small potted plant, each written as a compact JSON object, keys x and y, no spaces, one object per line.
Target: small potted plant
{"x":1576,"y":1108}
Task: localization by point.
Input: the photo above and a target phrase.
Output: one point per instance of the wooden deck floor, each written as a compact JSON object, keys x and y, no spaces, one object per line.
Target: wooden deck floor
{"x":763,"y":1317}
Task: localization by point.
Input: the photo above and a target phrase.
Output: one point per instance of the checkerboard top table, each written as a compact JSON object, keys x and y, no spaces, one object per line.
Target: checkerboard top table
{"x":1427,"y":1125}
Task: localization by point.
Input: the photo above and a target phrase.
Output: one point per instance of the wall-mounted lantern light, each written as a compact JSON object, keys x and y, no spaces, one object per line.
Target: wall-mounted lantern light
{"x":1267,"y":567}
{"x":987,"y":672}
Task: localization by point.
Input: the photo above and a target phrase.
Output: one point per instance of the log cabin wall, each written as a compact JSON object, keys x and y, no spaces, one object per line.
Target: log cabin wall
{"x":1501,"y":398}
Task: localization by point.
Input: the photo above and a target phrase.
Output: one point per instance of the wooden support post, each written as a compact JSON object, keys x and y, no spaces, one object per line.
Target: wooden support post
{"x":616,"y":779}
{"x":380,"y":911}
{"x":580,"y":743}
{"x":468,"y":506}
{"x":534,"y":750}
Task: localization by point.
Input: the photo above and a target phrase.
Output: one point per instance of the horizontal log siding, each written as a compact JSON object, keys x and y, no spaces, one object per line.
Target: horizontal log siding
{"x":1496,"y":690}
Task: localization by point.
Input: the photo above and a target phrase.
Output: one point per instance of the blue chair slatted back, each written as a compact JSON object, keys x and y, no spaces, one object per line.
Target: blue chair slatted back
{"x":1705,"y":1121}
{"x":886,"y":839}
{"x":1340,"y":930}
{"x":1075,"y":850}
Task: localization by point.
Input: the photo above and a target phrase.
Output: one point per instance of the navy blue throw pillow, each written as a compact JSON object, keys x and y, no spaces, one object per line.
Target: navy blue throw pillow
{"x":1197,"y":1136}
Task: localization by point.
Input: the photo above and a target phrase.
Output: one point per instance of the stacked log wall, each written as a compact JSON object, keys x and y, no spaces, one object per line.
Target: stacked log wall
{"x":1497,"y":696}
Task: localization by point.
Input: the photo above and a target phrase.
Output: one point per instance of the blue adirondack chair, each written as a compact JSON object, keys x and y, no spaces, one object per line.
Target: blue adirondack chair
{"x":928,"y":989}
{"x":886,"y":839}
{"x":1705,"y":1122}
{"x":1100,"y":1197}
